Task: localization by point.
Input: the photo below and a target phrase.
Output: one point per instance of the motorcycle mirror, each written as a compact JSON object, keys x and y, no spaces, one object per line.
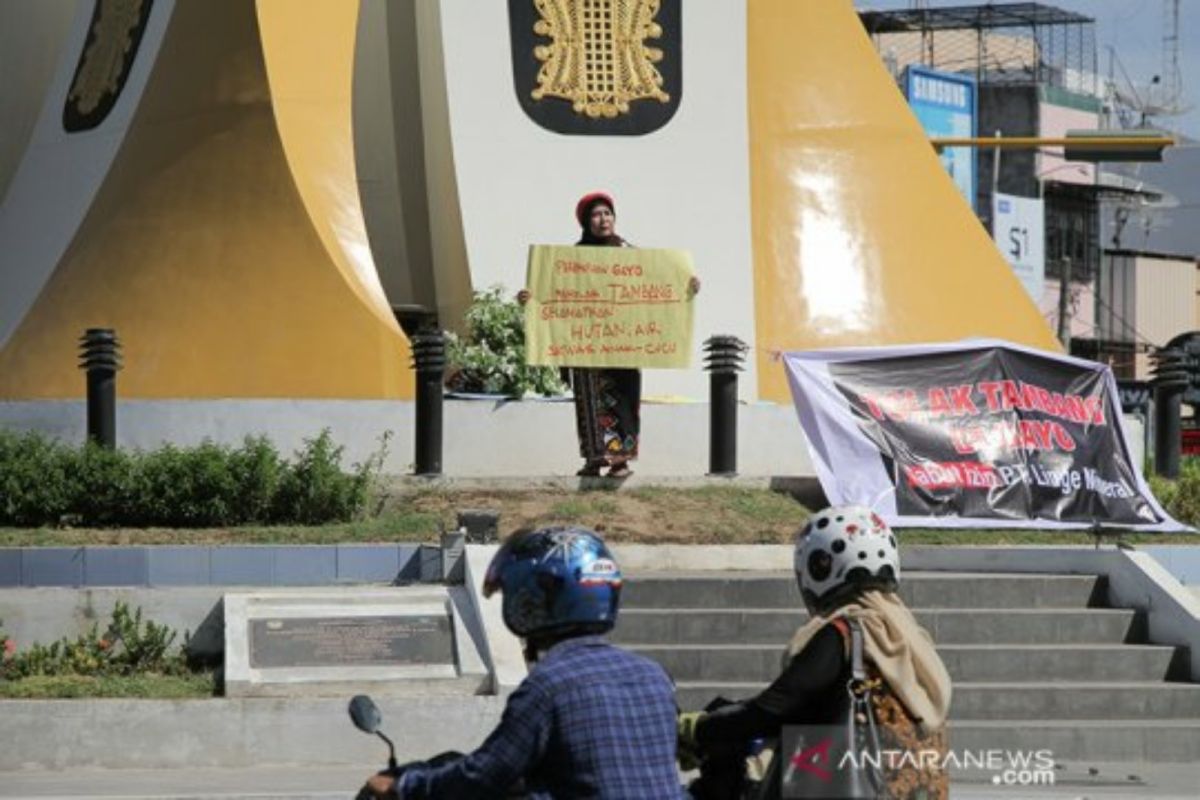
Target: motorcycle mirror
{"x":365,"y":714}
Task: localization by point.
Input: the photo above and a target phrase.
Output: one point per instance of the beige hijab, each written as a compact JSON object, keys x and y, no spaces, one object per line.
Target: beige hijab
{"x":900,"y":649}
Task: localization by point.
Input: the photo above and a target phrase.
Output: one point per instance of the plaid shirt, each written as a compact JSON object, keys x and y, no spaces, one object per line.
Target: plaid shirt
{"x":590,"y":720}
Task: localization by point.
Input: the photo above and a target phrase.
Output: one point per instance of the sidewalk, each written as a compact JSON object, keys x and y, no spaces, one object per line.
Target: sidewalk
{"x":1110,"y":782}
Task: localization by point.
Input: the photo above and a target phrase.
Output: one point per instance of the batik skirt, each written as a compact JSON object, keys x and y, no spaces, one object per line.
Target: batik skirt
{"x":607,"y":419}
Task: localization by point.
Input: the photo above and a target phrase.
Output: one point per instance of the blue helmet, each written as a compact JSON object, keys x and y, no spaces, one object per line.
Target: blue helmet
{"x":555,"y":580}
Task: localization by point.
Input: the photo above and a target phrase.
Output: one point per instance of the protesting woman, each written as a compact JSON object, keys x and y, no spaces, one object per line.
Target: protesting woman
{"x":607,"y":400}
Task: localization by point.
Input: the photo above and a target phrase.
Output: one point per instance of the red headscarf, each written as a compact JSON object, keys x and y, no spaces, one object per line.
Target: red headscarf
{"x":584,"y":207}
{"x":583,"y":211}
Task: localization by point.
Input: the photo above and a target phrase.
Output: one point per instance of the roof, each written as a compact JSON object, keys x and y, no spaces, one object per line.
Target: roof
{"x":1124,"y":251}
{"x":1009,"y":15}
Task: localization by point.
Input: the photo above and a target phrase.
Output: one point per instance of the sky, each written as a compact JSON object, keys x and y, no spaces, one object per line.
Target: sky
{"x":1134,"y":28}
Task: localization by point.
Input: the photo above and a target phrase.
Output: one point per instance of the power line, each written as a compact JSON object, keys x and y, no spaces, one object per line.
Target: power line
{"x":1125,"y":324}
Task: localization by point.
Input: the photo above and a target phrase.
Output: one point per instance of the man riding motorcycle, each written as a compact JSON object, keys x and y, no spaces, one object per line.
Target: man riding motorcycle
{"x":590,"y":719}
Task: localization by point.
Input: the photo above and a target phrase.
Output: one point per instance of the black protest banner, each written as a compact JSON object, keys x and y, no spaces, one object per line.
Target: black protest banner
{"x":979,"y":434}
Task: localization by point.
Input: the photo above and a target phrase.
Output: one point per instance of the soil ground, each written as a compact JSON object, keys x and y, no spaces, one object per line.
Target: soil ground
{"x":699,"y":515}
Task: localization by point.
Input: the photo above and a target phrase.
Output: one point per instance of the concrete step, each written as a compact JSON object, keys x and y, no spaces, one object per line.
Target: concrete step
{"x":948,"y":626}
{"x":1080,"y":662}
{"x":919,"y":590}
{"x":1018,"y":663}
{"x":1020,"y":701}
{"x":1152,"y":741}
{"x":1131,"y":700}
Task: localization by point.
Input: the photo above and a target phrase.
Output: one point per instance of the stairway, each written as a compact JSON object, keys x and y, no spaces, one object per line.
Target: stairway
{"x":1036,"y":660}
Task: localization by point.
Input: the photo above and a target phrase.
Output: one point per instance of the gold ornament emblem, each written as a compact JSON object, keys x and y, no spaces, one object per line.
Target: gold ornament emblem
{"x":598,"y":58}
{"x":112,"y":42}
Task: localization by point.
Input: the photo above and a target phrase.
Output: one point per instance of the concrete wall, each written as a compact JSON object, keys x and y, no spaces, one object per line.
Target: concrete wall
{"x":46,"y":615}
{"x":1165,"y":304}
{"x":231,"y":733}
{"x":1012,"y":110}
{"x":1182,"y":561}
{"x":1056,"y":120}
{"x":481,"y":438}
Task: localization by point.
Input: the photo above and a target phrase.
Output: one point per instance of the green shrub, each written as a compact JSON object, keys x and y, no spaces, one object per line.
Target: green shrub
{"x":1180,"y":497}
{"x":185,"y":488}
{"x":139,"y":647}
{"x":128,"y":646}
{"x":257,"y":470}
{"x":1184,"y":502}
{"x":44,"y":482}
{"x":490,"y":359}
{"x":105,"y":486}
{"x":1164,"y":490}
{"x":315,"y":490}
{"x":36,"y":487}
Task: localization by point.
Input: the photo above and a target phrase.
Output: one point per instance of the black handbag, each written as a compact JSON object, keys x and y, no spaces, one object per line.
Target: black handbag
{"x":854,"y":770}
{"x":863,"y":776}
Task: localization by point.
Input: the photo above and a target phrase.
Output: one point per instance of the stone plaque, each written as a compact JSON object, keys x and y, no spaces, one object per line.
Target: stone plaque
{"x":339,"y":641}
{"x":351,"y":641}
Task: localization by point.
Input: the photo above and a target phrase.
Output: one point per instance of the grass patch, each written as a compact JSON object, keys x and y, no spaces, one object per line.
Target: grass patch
{"x":937,"y":536}
{"x":158,"y":687}
{"x":582,"y":508}
{"x":410,"y":526}
{"x":667,"y":515}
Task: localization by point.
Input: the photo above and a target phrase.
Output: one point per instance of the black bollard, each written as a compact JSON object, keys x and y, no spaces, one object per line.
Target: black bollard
{"x":429,"y":360}
{"x":100,"y":357}
{"x":1170,"y":380}
{"x":723,"y":362}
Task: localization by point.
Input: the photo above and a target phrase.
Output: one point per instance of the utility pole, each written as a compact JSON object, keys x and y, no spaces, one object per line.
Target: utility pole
{"x":1064,"y":292}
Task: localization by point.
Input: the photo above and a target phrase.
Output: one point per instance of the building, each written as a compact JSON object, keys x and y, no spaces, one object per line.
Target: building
{"x":1036,"y":71}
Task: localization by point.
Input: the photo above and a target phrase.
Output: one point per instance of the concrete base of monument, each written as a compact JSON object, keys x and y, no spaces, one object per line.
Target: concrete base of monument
{"x":415,"y":640}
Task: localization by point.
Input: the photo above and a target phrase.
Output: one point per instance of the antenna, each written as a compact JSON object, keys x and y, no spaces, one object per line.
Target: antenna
{"x":1171,"y":78}
{"x":1163,"y":95}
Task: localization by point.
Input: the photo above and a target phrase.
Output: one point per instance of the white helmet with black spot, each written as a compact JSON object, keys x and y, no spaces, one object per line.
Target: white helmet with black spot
{"x":842,"y":550}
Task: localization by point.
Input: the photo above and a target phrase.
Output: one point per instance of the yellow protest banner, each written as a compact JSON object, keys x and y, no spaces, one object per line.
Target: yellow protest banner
{"x":608,"y":307}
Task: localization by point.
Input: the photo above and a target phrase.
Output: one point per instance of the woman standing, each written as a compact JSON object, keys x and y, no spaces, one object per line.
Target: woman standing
{"x":607,"y":400}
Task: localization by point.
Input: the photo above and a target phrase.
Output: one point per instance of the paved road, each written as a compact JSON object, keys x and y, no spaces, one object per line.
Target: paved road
{"x":1110,"y":782}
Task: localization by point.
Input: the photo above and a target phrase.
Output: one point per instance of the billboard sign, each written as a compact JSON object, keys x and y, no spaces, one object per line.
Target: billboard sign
{"x":945,"y":105}
{"x":1018,"y":226}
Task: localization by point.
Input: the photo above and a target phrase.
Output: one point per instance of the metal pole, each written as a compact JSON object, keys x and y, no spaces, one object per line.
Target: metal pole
{"x":996,"y":151}
{"x":100,"y":358}
{"x":429,"y":360}
{"x":1171,"y":378}
{"x":724,"y":361}
{"x":1064,"y":291}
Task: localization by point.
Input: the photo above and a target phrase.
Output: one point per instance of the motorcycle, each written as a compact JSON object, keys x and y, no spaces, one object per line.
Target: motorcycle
{"x":367,"y":717}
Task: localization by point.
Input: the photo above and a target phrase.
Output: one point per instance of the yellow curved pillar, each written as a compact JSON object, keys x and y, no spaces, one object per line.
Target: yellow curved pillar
{"x":308,"y":48}
{"x":859,"y":236}
{"x":200,"y":252}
